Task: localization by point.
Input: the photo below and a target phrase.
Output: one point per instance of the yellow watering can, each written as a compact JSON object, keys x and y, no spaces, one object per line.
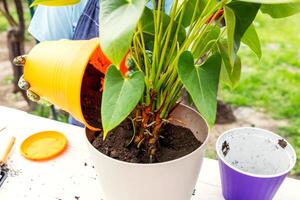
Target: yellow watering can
{"x":55,"y":71}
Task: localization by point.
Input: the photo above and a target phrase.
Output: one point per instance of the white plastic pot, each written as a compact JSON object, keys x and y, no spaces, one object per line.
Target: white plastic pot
{"x":172,"y":180}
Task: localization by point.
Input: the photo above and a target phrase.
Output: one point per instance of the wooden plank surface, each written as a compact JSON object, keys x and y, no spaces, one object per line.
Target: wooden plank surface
{"x":72,"y":176}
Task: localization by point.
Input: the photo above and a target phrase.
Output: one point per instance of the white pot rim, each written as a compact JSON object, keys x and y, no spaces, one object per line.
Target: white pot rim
{"x":285,"y":172}
{"x":202,"y":147}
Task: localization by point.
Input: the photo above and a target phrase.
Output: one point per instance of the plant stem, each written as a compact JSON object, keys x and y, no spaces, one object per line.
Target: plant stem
{"x":166,"y":42}
{"x":163,"y":86}
{"x":193,"y":17}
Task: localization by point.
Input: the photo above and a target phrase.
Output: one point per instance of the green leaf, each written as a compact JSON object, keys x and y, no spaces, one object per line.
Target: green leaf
{"x":204,"y":43}
{"x":230,"y":24}
{"x":147,"y":23}
{"x":118,"y":20}
{"x":190,"y":9}
{"x":251,"y":39}
{"x":232,"y":78}
{"x":54,"y":2}
{"x":278,"y":8}
{"x":281,"y":10}
{"x":245,"y":14}
{"x":120,"y":97}
{"x":269,"y":1}
{"x":201,"y":82}
{"x":230,"y":74}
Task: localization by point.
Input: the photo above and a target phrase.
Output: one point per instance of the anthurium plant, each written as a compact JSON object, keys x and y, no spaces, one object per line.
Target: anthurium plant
{"x":193,"y":45}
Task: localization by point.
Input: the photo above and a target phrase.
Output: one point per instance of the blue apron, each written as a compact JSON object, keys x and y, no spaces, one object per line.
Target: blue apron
{"x":88,"y":23}
{"x":87,"y":28}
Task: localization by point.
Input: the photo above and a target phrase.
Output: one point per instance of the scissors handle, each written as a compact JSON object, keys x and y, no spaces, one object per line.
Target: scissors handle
{"x":7,"y":149}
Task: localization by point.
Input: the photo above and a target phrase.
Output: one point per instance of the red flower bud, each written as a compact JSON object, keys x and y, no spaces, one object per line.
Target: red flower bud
{"x":215,"y":16}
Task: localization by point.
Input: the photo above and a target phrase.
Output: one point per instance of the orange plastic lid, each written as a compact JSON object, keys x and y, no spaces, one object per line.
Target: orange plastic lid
{"x":44,"y":145}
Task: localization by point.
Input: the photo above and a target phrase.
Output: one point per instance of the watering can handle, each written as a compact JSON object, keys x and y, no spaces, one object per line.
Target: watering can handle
{"x":7,"y":148}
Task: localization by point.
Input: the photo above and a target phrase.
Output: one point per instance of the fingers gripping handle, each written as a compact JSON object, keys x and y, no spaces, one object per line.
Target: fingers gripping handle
{"x":23,"y":84}
{"x":20,"y":60}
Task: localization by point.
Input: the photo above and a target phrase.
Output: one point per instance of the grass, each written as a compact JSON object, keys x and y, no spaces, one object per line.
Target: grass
{"x":3,"y":24}
{"x":45,"y":111}
{"x":273,"y":83}
{"x":8,"y":80}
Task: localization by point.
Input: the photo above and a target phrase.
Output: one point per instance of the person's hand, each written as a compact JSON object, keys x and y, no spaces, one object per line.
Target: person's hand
{"x":24,"y":85}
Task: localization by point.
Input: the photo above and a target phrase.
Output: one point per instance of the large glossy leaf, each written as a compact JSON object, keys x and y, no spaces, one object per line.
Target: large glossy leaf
{"x":245,"y":14}
{"x":120,"y":97}
{"x":230,"y":73}
{"x":118,"y":20}
{"x":201,"y":82}
{"x":230,"y":24}
{"x":54,"y":2}
{"x":281,"y":10}
{"x":251,"y":39}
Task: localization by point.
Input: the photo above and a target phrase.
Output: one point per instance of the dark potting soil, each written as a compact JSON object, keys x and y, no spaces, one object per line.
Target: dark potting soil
{"x":91,"y":96}
{"x":176,"y":141}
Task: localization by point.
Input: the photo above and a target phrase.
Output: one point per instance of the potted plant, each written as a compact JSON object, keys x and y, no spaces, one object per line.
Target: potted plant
{"x":149,"y":145}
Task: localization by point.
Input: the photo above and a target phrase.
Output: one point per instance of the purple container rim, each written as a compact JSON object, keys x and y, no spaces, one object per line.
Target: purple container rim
{"x":292,"y":164}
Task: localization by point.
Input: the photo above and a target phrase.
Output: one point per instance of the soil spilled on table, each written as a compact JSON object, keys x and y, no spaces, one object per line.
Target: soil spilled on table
{"x":91,"y":96}
{"x":175,"y":142}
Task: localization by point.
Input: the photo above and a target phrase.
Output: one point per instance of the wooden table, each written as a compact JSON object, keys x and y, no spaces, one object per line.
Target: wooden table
{"x":71,"y":176}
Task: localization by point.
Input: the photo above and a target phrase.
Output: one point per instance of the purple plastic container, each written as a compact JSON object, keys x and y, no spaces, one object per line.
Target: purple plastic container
{"x":253,"y":163}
